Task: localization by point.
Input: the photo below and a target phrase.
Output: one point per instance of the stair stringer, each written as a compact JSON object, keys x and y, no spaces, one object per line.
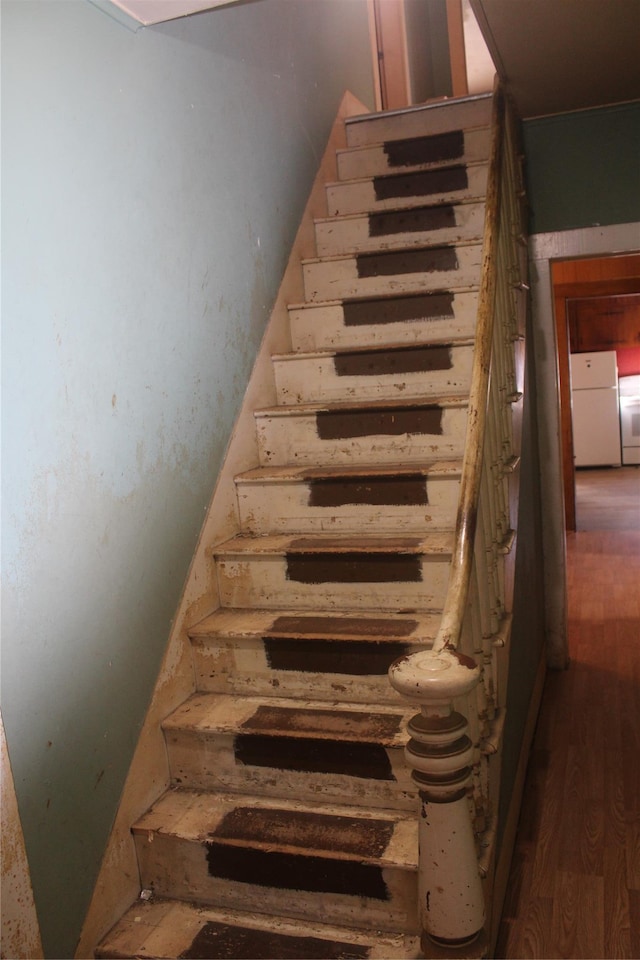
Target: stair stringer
{"x":118,"y":882}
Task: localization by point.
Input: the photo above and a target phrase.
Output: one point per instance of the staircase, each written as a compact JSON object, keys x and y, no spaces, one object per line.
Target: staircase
{"x":291,"y":825}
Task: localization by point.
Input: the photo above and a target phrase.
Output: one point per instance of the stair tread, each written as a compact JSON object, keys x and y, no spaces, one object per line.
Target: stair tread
{"x":441,"y":103}
{"x":305,"y":409}
{"x":369,"y":298}
{"x":408,"y":248}
{"x":294,"y":474}
{"x":404,"y":172}
{"x":375,"y":348}
{"x":338,"y":218}
{"x":380,"y":143}
{"x":434,"y":542}
{"x":165,"y":929}
{"x":332,"y":831}
{"x":357,"y":626}
{"x":221,"y":713}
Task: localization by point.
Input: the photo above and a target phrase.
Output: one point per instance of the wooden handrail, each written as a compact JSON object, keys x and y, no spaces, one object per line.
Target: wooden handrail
{"x":462,"y":558}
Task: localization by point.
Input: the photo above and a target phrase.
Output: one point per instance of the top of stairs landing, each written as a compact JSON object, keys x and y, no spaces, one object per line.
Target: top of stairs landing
{"x":431,"y":117}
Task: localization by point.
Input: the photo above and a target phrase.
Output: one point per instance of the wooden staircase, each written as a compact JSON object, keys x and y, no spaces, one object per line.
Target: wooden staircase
{"x":290,"y":828}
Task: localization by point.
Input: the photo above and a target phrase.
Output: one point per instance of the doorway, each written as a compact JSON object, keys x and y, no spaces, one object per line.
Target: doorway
{"x":597,"y":307}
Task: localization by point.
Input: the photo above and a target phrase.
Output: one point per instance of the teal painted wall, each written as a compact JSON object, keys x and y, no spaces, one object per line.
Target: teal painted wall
{"x":152,"y":183}
{"x":583,"y":169}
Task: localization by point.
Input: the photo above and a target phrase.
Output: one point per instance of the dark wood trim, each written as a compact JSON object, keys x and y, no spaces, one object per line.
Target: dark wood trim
{"x":457,"y":54}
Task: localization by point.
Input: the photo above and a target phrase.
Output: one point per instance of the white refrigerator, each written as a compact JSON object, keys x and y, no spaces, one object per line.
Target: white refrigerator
{"x":595,"y":409}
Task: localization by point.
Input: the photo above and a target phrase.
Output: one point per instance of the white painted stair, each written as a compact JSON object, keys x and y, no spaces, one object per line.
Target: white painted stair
{"x":290,"y":829}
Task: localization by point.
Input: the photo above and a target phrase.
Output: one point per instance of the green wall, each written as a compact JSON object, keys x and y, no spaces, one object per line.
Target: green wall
{"x":583,"y":169}
{"x":152,"y":183}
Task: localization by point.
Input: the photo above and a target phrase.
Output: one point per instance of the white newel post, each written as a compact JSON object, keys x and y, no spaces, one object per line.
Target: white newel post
{"x":441,"y":756}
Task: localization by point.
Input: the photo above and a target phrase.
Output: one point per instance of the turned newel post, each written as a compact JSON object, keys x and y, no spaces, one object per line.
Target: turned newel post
{"x":441,"y":756}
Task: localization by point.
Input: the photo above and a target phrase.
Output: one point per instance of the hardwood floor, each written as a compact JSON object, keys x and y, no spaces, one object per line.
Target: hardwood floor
{"x":574,"y":889}
{"x":608,"y":499}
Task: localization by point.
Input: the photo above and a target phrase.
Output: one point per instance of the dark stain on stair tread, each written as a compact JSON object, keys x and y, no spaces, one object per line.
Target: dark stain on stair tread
{"x":344,"y":724}
{"x":399,"y":262}
{"x":355,"y":545}
{"x":376,"y":491}
{"x":428,"y":149}
{"x":341,"y":626}
{"x":353,"y":568}
{"x":369,"y":363}
{"x":421,"y":184}
{"x":411,"y":221}
{"x":397,"y":309}
{"x":360,"y":658}
{"x":365,"y":761}
{"x":347,"y":424}
{"x":290,"y":871}
{"x":219,"y":941}
{"x":367,"y":838}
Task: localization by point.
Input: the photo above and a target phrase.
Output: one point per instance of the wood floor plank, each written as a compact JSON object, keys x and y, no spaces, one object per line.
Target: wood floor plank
{"x":617,"y":918}
{"x":634,"y":920}
{"x":577,"y":924}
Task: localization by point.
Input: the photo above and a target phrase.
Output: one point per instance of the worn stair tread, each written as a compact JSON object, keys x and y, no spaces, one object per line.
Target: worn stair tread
{"x":359,"y":626}
{"x":208,"y":714}
{"x":325,"y":830}
{"x":374,"y":349}
{"x":436,"y":542}
{"x":437,"y":140}
{"x":165,"y":929}
{"x":368,"y":298}
{"x":433,"y":117}
{"x":306,"y":409}
{"x":339,"y":218}
{"x":408,"y":248}
{"x":299,"y":474}
{"x":404,"y":172}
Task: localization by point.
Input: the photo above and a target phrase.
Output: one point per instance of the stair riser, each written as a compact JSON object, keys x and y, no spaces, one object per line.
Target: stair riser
{"x":327,"y":379}
{"x":289,"y":508}
{"x":326,"y":326}
{"x":266,"y":582}
{"x":179,"y":868}
{"x":355,"y":234}
{"x":296,"y":440}
{"x":375,"y":160}
{"x":364,"y":196}
{"x":419,"y":271}
{"x":209,"y":763}
{"x":245,"y":667}
{"x":430,"y":120}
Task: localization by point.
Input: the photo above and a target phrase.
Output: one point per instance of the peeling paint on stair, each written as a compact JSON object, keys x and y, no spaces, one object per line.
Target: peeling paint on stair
{"x":380,"y":362}
{"x":412,"y":221}
{"x":355,"y":658}
{"x":421,"y":184}
{"x":430,"y":149}
{"x":354,"y":568}
{"x":245,"y":943}
{"x":397,"y":309}
{"x":390,"y":421}
{"x":365,"y":761}
{"x":432,"y":260}
{"x":305,"y":830}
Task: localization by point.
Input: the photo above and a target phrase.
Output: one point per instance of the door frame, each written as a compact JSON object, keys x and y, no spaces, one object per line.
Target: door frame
{"x":544,"y":248}
{"x":592,"y":277}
